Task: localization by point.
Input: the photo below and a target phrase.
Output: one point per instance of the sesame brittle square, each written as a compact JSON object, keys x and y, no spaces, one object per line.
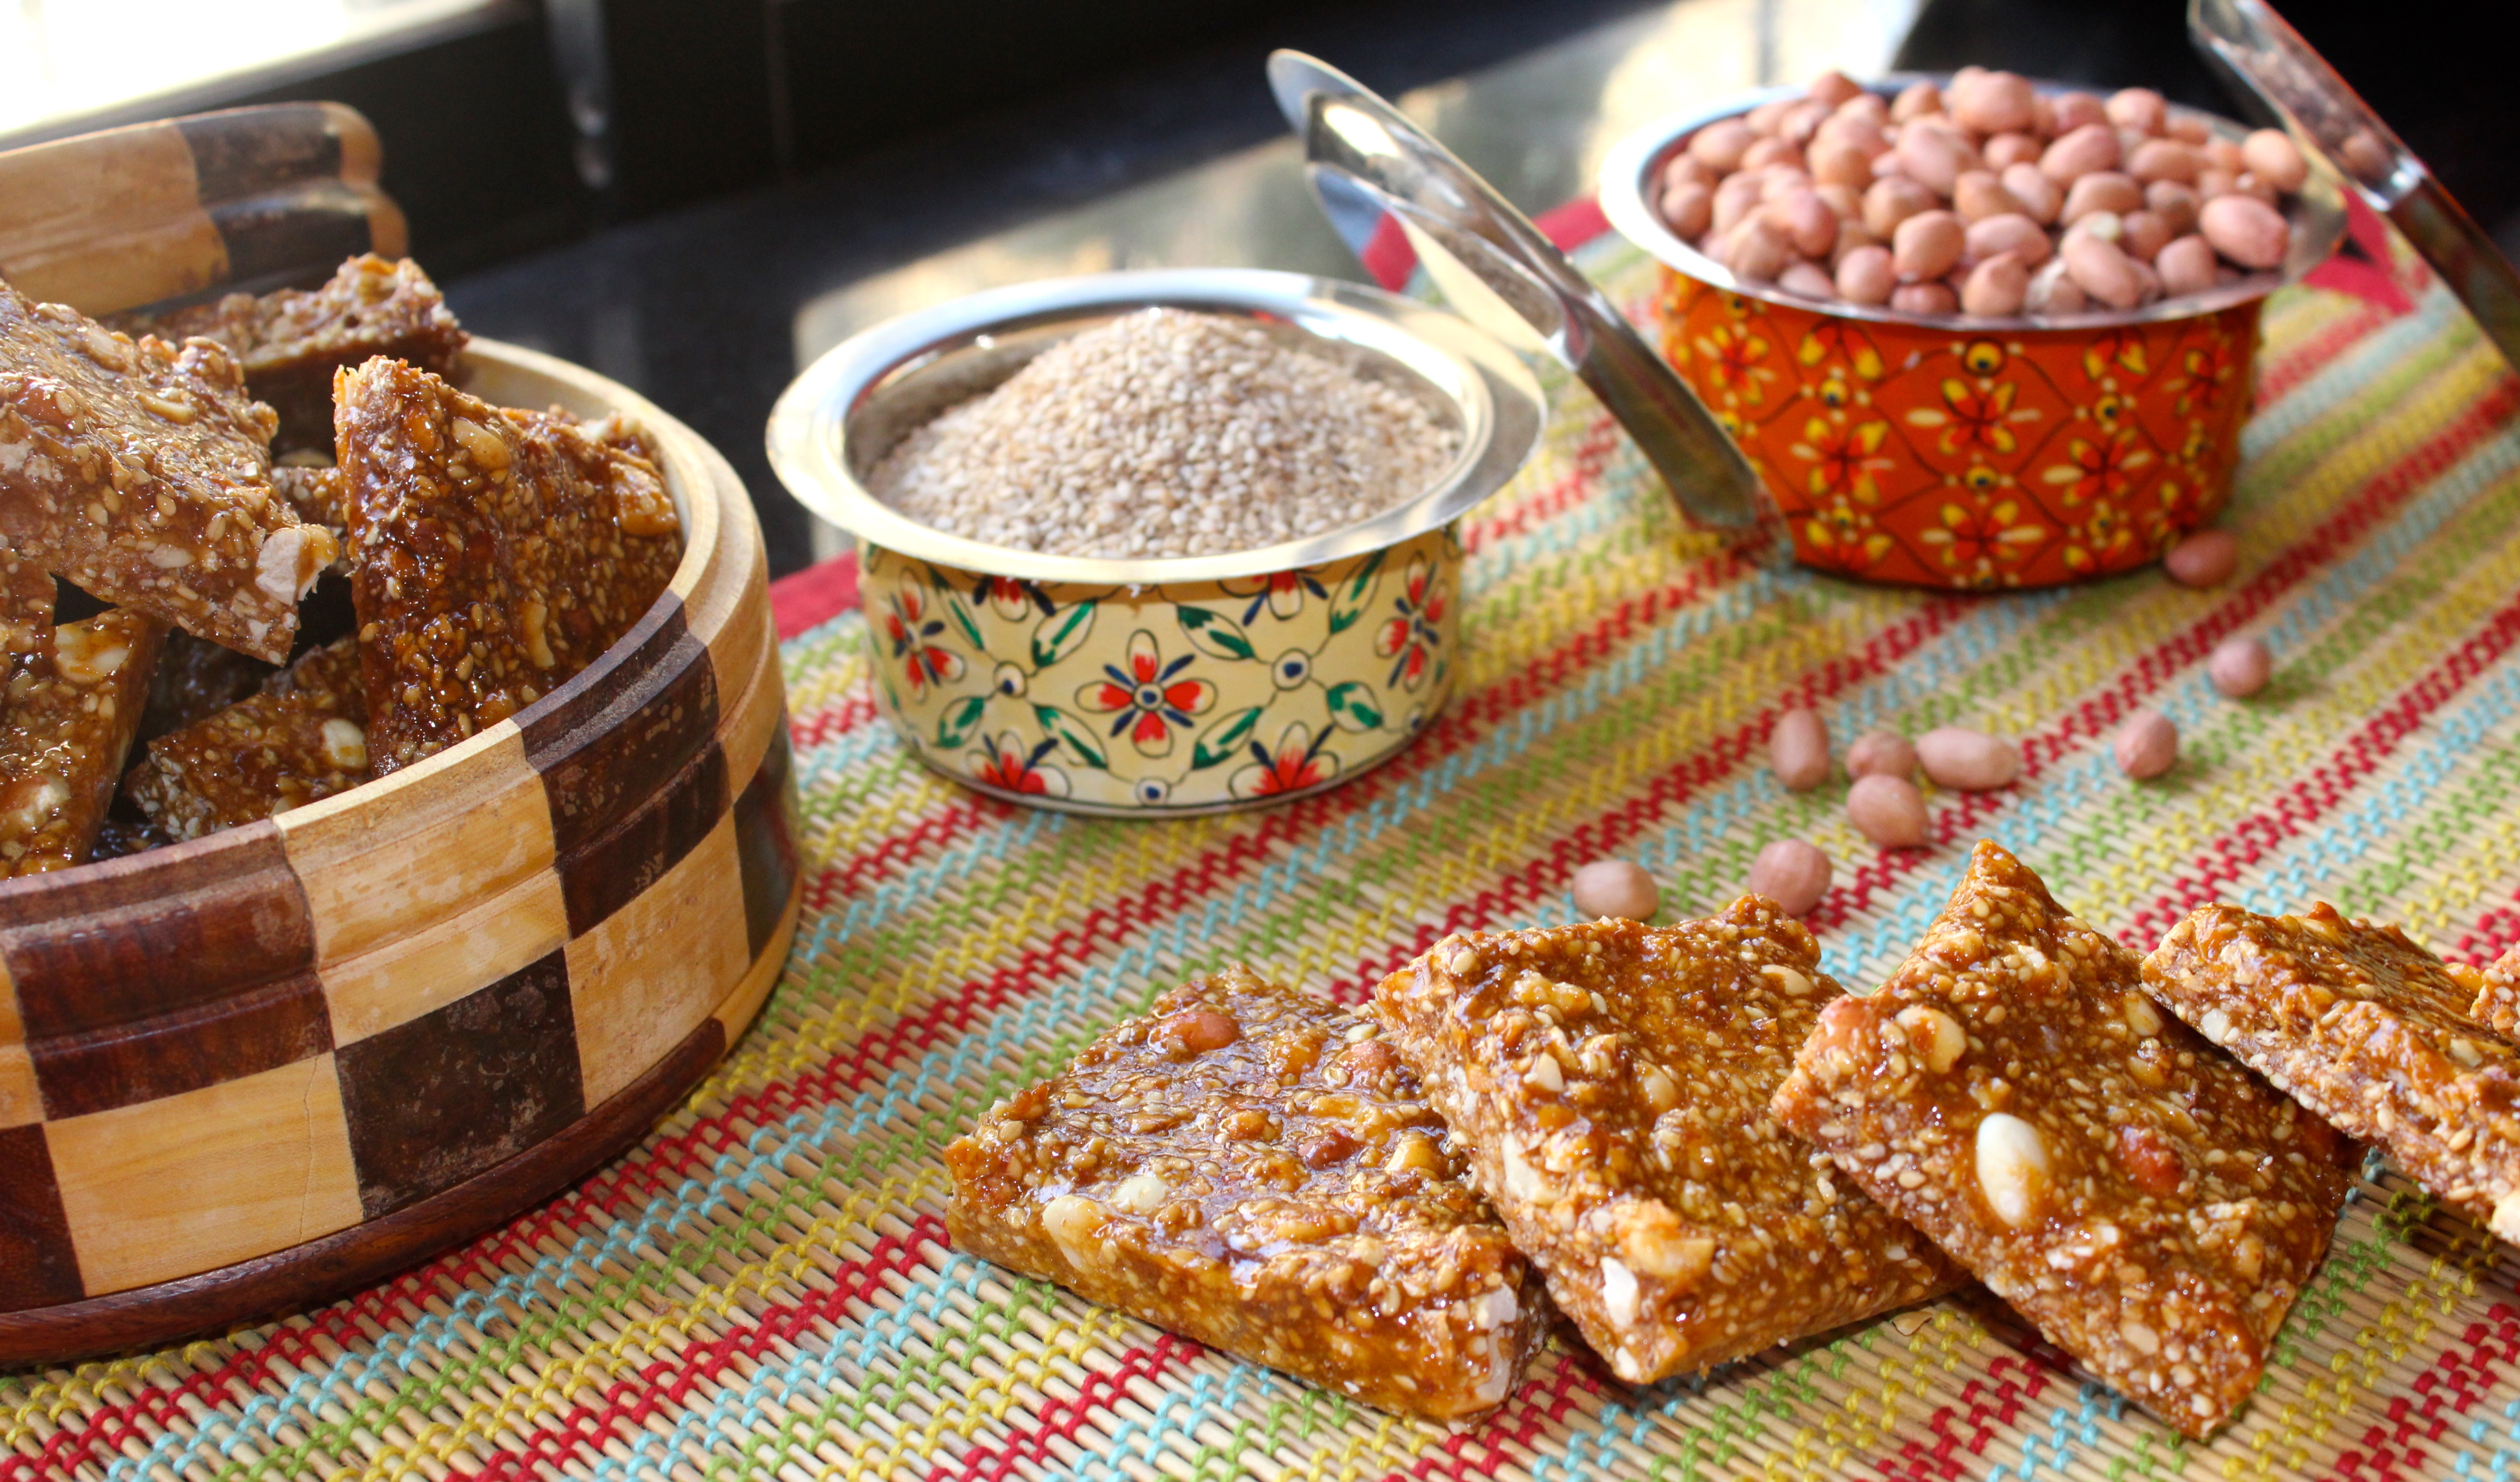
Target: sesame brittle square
{"x":1612,"y":1081}
{"x":67,"y":720}
{"x":1251,"y":1167}
{"x":2368,"y":1030}
{"x":291,"y":341}
{"x":2145,"y":1202}
{"x":493,"y":554}
{"x":301,"y":738}
{"x":141,"y":470}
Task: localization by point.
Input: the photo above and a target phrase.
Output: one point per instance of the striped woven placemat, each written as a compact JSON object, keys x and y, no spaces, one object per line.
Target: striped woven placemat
{"x":763,"y":1288}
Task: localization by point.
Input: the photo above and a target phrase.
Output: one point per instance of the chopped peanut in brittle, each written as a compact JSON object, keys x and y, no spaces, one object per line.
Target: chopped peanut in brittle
{"x":493,"y":554}
{"x":2014,"y":1092}
{"x":301,"y":739}
{"x":66,"y":721}
{"x":1251,"y":1166}
{"x":141,"y":470}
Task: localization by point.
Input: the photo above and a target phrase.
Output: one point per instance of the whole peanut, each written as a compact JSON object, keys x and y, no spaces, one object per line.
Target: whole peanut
{"x":1765,"y":118}
{"x":2075,"y":110}
{"x":2213,"y":182}
{"x":1980,"y":194}
{"x":1927,"y":244}
{"x":1845,"y":200}
{"x":1811,"y":223}
{"x":1689,"y":207}
{"x":1884,"y":754}
{"x":2246,"y":230}
{"x":2041,"y":197}
{"x":2240,"y":666}
{"x":1850,"y":235}
{"x":1798,"y":750}
{"x":2251,"y":186}
{"x":2187,"y":128}
{"x":2102,"y":269}
{"x":2004,"y":150}
{"x":1970,"y":761}
{"x":2015,"y":234}
{"x":1993,"y":103}
{"x":1721,"y":144}
{"x":1996,"y":288}
{"x":1914,"y":100}
{"x":2053,"y":292}
{"x":1757,"y":252}
{"x":2224,"y":156}
{"x":1933,"y":157}
{"x":1870,"y":108}
{"x":2186,"y":265}
{"x":1802,"y":121}
{"x":1866,"y":276}
{"x":1783,"y":182}
{"x":1764,"y":153}
{"x":1839,"y":161}
{"x":2366,"y":158}
{"x":2146,"y":746}
{"x":2140,"y":109}
{"x":1924,"y":298}
{"x":2165,"y":160}
{"x":1807,"y":278}
{"x":1734,"y":200}
{"x":1615,"y":887}
{"x":2172,"y":203}
{"x":2144,"y":234}
{"x":2101,"y":191}
{"x":1892,"y":200}
{"x":1686,"y":168}
{"x":2093,"y":147}
{"x":1887,"y":810}
{"x":1793,"y":873}
{"x":2206,"y":558}
{"x":1833,"y":88}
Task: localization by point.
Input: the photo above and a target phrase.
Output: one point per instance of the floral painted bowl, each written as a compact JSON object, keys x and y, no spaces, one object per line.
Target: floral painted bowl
{"x":1151,"y":688}
{"x":1960,"y":452}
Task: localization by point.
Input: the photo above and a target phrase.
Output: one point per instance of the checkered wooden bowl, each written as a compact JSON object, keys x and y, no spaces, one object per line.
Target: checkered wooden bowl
{"x":251,"y":1071}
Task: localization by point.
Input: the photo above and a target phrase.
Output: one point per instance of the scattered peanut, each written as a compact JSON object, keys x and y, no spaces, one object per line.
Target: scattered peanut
{"x":1881,"y":753}
{"x":1887,"y":810}
{"x":2206,"y":558}
{"x":1798,"y":750}
{"x":1792,"y":873}
{"x":1969,"y":761}
{"x":2146,"y":746}
{"x":2240,"y":666}
{"x":1615,"y":887}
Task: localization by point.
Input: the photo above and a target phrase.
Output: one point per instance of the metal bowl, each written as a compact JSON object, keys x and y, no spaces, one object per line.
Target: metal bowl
{"x":1947,"y":450}
{"x":1166,"y":685}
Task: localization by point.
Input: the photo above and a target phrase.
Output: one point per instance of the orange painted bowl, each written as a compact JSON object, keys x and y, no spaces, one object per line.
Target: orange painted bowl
{"x":1945,"y":450}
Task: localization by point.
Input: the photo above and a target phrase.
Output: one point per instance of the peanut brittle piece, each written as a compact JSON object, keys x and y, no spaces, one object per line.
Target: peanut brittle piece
{"x":303,"y":737}
{"x":318,"y":493}
{"x":195,"y":678}
{"x":1611,"y":1081}
{"x":1251,"y":1167}
{"x":493,"y":554}
{"x":27,"y":595}
{"x":291,"y":341}
{"x":2366,"y":1028}
{"x":141,"y":471}
{"x":67,"y":720}
{"x":2497,"y":994}
{"x":2145,"y":1202}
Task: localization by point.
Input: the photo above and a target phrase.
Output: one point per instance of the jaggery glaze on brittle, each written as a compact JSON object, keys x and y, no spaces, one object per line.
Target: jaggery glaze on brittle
{"x":1251,"y":1167}
{"x":1611,"y":1081}
{"x":301,"y":739}
{"x":2369,"y":1031}
{"x":2497,"y":994}
{"x":493,"y":554}
{"x":66,"y":721}
{"x":2145,"y":1202}
{"x":291,"y":341}
{"x":141,"y":471}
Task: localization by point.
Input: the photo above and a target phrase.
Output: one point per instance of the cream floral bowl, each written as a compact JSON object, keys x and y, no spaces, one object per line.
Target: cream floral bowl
{"x":1149,"y":688}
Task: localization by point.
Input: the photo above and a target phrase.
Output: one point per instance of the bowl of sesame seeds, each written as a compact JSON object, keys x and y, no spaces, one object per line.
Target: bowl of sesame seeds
{"x":1156,"y":543}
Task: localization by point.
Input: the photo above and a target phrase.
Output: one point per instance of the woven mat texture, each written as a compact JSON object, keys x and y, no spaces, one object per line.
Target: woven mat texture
{"x":763,"y":1288}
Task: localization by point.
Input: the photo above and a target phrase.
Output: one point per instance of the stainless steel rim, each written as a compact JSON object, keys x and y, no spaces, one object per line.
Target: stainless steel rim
{"x":1499,"y":404}
{"x":2320,"y":225}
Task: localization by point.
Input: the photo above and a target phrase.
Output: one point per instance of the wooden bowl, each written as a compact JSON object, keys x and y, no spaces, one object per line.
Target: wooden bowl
{"x":251,"y":1071}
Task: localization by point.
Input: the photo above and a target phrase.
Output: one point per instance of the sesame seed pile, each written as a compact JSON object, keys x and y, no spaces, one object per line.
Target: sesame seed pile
{"x":1162,"y":434}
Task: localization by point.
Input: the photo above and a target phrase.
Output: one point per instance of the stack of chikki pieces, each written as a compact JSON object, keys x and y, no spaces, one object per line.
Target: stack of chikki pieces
{"x":1698,"y":1145}
{"x":196,"y":473}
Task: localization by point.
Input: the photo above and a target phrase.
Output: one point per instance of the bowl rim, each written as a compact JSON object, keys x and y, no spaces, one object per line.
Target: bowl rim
{"x":1502,"y":408}
{"x":1639,"y":154}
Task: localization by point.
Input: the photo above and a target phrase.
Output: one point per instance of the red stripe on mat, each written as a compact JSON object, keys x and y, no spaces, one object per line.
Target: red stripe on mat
{"x":2461,"y":1377}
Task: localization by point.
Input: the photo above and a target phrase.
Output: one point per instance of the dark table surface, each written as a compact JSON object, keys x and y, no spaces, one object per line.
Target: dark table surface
{"x":711,"y":310}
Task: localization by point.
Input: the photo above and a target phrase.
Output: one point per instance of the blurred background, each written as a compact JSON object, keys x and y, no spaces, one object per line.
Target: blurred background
{"x":697,"y":196}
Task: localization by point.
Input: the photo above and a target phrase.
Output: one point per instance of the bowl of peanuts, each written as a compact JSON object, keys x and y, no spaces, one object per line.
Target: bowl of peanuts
{"x":1974,"y":332}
